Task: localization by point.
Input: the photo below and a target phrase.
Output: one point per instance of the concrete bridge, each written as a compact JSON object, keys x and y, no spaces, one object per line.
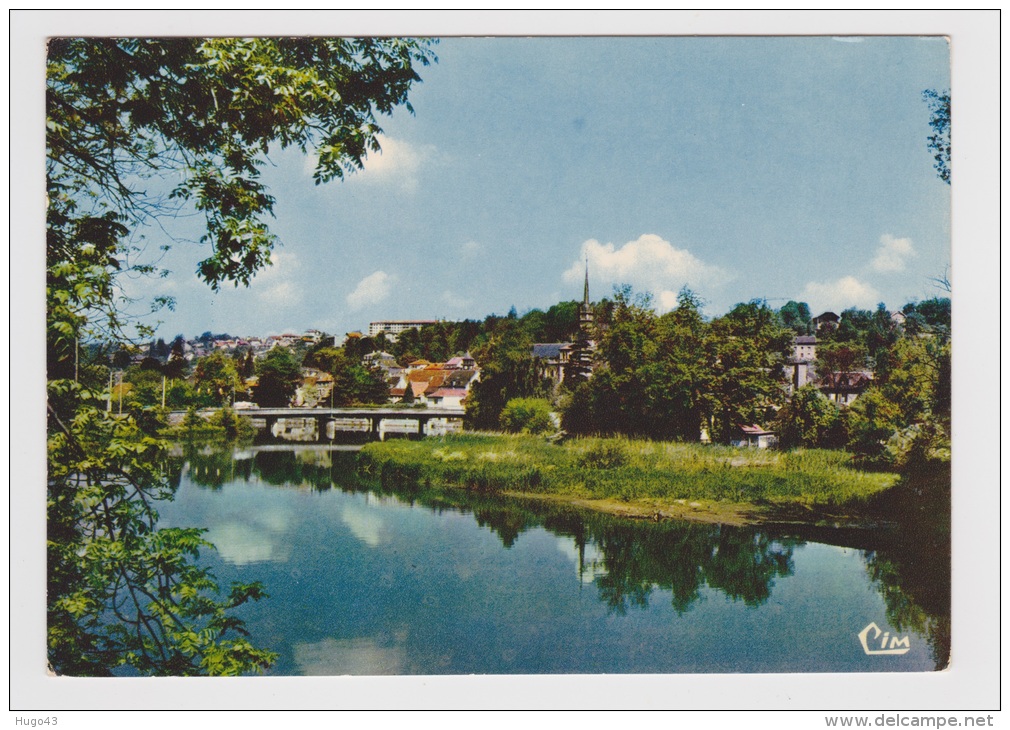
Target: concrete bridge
{"x":324,"y":424}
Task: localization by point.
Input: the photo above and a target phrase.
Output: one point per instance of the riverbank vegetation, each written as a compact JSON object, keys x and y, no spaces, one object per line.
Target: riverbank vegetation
{"x":139,"y":132}
{"x":651,"y":475}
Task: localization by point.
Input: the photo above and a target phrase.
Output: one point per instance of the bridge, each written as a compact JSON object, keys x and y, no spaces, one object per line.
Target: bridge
{"x":319,"y":424}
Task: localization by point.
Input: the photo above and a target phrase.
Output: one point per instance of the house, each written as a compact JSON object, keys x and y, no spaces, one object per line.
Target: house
{"x":447,"y":398}
{"x":828,"y":320}
{"x":461,"y":378}
{"x":844,"y":388}
{"x":461,"y":362}
{"x":804,"y":348}
{"x":756,"y":437}
{"x":379,"y":359}
{"x":802,"y":361}
{"x":551,"y":357}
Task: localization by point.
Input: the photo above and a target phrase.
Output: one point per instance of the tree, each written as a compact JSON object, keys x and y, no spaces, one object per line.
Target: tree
{"x":939,"y":122}
{"x":796,"y":316}
{"x":809,"y":419}
{"x":655,"y":374}
{"x":216,"y":378}
{"x":527,"y":415}
{"x":751,"y":347}
{"x":278,"y":376}
{"x":176,"y":366}
{"x":507,"y":371}
{"x":137,"y":131}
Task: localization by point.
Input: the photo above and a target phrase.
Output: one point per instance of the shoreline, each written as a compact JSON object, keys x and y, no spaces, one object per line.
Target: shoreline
{"x":645,"y":480}
{"x":736,"y":514}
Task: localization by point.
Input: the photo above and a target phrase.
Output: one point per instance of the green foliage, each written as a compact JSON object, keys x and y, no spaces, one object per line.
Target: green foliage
{"x":625,"y":469}
{"x":121,"y":591}
{"x":796,"y":316}
{"x":871,"y":421}
{"x":608,"y":454}
{"x":939,"y":122}
{"x":353,"y":383}
{"x":751,"y":349}
{"x":809,"y":420}
{"x":508,"y":371}
{"x":840,"y":357}
{"x":216,"y":379}
{"x":278,"y":377}
{"x":232,"y":425}
{"x":212,"y":108}
{"x":670,"y":376}
{"x":527,"y":415}
{"x":126,"y":119}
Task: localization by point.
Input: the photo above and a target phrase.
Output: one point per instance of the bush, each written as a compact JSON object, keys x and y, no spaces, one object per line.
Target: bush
{"x":528,"y":415}
{"x":604,"y":455}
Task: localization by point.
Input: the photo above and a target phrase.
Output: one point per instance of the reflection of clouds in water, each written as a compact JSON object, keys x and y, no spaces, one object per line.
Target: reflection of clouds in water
{"x":242,"y":543}
{"x":255,"y":532}
{"x":367,"y":526}
{"x":592,"y":558}
{"x":349,"y":656}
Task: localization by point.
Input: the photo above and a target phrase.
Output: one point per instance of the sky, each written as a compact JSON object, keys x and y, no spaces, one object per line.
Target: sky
{"x":771,"y":168}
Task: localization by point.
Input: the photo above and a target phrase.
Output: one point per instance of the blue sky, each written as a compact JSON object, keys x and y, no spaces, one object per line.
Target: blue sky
{"x":777,"y":168}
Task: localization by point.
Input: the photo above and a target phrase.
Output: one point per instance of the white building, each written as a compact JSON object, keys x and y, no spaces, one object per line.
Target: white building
{"x":393,"y":327}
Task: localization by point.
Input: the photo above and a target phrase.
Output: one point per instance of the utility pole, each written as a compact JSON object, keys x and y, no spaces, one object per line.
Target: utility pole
{"x":163,"y":391}
{"x":108,"y":402}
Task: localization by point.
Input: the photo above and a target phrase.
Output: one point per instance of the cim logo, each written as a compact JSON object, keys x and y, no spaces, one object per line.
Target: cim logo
{"x":868,"y":638}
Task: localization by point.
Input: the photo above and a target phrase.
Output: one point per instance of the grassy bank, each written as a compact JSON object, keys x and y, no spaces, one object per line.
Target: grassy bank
{"x":633,"y":477}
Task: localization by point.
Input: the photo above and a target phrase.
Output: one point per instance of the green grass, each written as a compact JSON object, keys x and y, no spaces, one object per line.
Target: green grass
{"x":625,"y":469}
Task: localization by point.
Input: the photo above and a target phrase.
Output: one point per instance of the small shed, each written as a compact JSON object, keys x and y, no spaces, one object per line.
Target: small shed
{"x":755,"y":436}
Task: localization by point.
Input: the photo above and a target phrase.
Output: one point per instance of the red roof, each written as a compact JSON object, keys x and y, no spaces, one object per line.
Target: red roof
{"x":448,"y":393}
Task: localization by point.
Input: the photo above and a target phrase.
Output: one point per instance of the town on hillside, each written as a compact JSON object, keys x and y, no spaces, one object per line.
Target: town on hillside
{"x":753,"y":377}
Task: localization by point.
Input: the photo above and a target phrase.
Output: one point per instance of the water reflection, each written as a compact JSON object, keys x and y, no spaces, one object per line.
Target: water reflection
{"x":350,"y":656}
{"x":365,"y":525}
{"x":632,"y":568}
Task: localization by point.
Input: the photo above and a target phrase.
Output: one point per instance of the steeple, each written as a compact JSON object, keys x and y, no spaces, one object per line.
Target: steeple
{"x":586,"y":310}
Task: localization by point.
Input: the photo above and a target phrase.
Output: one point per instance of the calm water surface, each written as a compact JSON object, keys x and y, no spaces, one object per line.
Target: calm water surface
{"x":370,"y":579}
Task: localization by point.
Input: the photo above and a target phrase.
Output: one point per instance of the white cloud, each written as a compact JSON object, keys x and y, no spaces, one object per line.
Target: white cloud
{"x":839,"y":295}
{"x":371,"y":290}
{"x":277,"y":284}
{"x":396,"y":161}
{"x":649,"y":263}
{"x":893,"y":253}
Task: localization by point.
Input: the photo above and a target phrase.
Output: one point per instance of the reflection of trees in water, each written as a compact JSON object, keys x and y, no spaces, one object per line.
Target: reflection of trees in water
{"x":638,"y":557}
{"x":683,"y":558}
{"x":508,"y":525}
{"x":912,"y":570}
{"x":213,"y":468}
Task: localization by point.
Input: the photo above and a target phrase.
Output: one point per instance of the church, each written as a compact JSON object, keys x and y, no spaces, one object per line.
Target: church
{"x":571,"y":362}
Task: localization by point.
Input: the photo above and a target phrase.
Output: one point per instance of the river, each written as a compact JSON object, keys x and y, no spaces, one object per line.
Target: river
{"x":370,"y":579}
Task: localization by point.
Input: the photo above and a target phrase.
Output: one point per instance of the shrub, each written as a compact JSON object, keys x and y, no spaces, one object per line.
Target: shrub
{"x":528,"y":415}
{"x":604,"y":455}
